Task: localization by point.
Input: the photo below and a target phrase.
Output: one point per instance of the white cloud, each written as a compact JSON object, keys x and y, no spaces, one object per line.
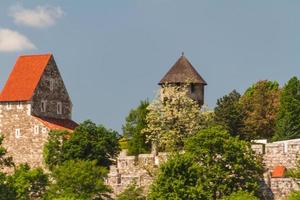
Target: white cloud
{"x":13,"y":41}
{"x":38,"y":17}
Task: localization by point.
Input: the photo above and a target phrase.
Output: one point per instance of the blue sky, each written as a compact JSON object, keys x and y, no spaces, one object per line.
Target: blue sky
{"x":112,"y":53}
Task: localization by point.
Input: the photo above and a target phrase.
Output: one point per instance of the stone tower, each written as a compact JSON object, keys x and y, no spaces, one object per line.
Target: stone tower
{"x":182,"y":72}
{"x":33,"y":101}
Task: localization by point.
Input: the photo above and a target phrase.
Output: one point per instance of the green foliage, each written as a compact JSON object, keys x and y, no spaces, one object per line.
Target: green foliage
{"x":123,"y":142}
{"x":295,"y":195}
{"x":135,"y":122}
{"x":260,"y":104}
{"x":173,"y":116}
{"x":178,"y":179}
{"x":132,"y":192}
{"x":227,"y":163}
{"x":78,"y":180}
{"x":240,"y":195}
{"x":4,"y":160}
{"x":288,"y":120}
{"x":87,"y":142}
{"x":6,"y":190}
{"x":229,"y":113}
{"x":28,"y":183}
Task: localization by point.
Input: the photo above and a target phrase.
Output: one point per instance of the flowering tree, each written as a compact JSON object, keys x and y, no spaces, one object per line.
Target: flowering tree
{"x":172,"y":116}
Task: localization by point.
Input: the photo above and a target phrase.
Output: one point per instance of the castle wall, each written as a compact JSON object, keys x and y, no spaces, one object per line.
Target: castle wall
{"x":51,"y":95}
{"x":139,"y":169}
{"x":24,"y":136}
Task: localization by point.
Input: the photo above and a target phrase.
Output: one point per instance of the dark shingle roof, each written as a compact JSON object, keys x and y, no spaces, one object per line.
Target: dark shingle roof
{"x":181,"y":72}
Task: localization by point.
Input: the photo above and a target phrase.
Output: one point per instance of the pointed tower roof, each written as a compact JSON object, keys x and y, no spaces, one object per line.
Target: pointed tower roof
{"x":181,"y":72}
{"x":24,"y":77}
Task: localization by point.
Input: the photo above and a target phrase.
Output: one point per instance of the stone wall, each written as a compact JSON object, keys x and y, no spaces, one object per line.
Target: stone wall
{"x":284,"y":153}
{"x":131,"y":168}
{"x":51,"y":94}
{"x":26,"y":144}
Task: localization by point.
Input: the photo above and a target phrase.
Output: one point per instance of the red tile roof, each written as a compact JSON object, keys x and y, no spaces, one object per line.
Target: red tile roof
{"x":279,"y":171}
{"x":58,"y":124}
{"x":24,"y":77}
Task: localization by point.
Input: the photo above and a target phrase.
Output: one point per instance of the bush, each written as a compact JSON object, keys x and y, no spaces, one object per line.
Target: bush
{"x":240,"y":195}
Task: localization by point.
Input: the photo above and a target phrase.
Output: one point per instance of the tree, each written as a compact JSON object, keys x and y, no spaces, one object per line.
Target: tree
{"x":295,"y":195}
{"x":135,"y":122}
{"x":6,"y":190}
{"x":260,"y":104}
{"x":288,"y":120}
{"x":178,"y":178}
{"x":87,"y":142}
{"x":227,"y":163}
{"x":172,"y":117}
{"x":132,"y":192}
{"x":78,"y":180}
{"x":28,"y":183}
{"x":240,"y":195}
{"x":229,"y":113}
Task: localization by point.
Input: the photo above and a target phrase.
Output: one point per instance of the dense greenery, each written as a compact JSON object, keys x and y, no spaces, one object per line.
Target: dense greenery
{"x":215,"y":164}
{"x":172,"y":117}
{"x":87,"y":142}
{"x":132,"y":192}
{"x":288,"y":121}
{"x":229,"y":113}
{"x":79,"y":180}
{"x":295,"y":195}
{"x":260,"y":104}
{"x":178,"y":179}
{"x":240,"y":195}
{"x":28,"y":183}
{"x":132,"y":130}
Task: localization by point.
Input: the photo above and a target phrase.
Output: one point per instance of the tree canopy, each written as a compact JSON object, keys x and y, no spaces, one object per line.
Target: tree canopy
{"x":288,"y":120}
{"x":172,"y":116}
{"x":78,"y":179}
{"x":229,"y":164}
{"x":260,"y":104}
{"x":132,"y":130}
{"x":214,"y":165}
{"x":87,"y":142}
{"x":229,"y":113}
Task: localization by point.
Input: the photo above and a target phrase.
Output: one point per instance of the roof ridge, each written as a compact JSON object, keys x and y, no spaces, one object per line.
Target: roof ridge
{"x":32,"y":55}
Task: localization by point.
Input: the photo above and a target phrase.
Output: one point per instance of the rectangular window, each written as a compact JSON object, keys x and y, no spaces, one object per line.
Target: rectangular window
{"x":19,"y":106}
{"x":59,"y":108}
{"x":18,"y":133}
{"x":51,"y":84}
{"x":43,"y":105}
{"x":8,"y":106}
{"x":36,"y":129}
{"x":192,"y":88}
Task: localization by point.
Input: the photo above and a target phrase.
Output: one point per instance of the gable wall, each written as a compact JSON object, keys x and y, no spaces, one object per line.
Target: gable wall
{"x":58,"y":94}
{"x":28,"y":148}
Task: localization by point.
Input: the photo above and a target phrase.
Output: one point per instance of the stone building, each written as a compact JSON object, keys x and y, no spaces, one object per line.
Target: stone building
{"x":33,"y":101}
{"x":181,"y":73}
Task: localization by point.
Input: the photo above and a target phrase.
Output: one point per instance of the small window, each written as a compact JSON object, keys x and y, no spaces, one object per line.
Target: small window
{"x":59,"y":108}
{"x":192,"y":88}
{"x":51,"y":84}
{"x":8,"y":106}
{"x":36,"y":129}
{"x":17,"y":133}
{"x":44,"y":130}
{"x":19,"y":106}
{"x":43,"y":106}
